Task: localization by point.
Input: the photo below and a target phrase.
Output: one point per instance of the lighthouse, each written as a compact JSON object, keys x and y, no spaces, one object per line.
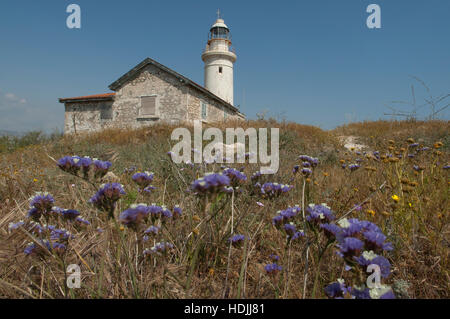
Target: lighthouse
{"x":219,"y":59}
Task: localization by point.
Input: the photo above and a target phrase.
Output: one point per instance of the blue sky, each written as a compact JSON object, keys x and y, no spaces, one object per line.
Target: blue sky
{"x":313,"y":62}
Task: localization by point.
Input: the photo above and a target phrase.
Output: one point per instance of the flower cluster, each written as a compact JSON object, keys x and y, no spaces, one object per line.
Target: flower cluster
{"x":106,"y":197}
{"x":143,"y":179}
{"x":211,"y":183}
{"x":236,"y":177}
{"x":272,"y":269}
{"x":40,"y":204}
{"x":272,"y":190}
{"x":159,"y":249}
{"x":101,"y":168}
{"x":237,"y":240}
{"x":73,"y":165}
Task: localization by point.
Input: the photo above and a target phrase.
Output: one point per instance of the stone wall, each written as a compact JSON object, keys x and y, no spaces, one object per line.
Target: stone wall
{"x":176,"y":102}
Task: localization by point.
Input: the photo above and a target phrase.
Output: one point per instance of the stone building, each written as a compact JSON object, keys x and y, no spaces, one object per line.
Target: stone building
{"x":152,"y":92}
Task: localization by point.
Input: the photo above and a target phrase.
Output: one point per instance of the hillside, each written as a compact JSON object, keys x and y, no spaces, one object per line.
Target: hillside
{"x":399,"y":182}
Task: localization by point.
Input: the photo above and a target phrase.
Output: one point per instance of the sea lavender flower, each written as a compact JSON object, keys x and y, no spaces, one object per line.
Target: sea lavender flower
{"x":331,"y":230}
{"x":277,"y":220}
{"x":290,"y":229}
{"x":101,"y":168}
{"x":155,"y":211}
{"x":43,"y":202}
{"x":143,"y":179}
{"x":70,"y":214}
{"x":60,"y":234}
{"x":319,"y":214}
{"x":148,"y":189}
{"x":298,"y":234}
{"x":289,"y":213}
{"x":370,"y":258}
{"x":134,"y":215}
{"x":272,"y":269}
{"x":413,"y":145}
{"x":272,"y":190}
{"x":350,"y":247}
{"x":85,"y":163}
{"x":295,"y":169}
{"x":274,"y":257}
{"x":256,"y":176}
{"x":166,"y":213}
{"x":82,"y":221}
{"x":306,"y":172}
{"x":446,"y":167}
{"x":375,"y":240}
{"x":237,"y":240}
{"x":159,"y":249}
{"x":336,"y":289}
{"x":177,"y":211}
{"x":236,"y":177}
{"x":106,"y":197}
{"x":211,"y":183}
{"x":70,"y":164}
{"x":353,"y":167}
{"x":154,"y":230}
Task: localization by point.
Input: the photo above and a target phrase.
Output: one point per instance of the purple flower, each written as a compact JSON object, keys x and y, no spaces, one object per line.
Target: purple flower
{"x":143,"y":179}
{"x":211,"y":183}
{"x":134,"y":215}
{"x":298,"y":234}
{"x":350,"y":246}
{"x":272,"y":190}
{"x":370,"y":258}
{"x":274,"y":257}
{"x":272,"y":269}
{"x":306,"y":172}
{"x":331,"y":230}
{"x":70,"y":214}
{"x":101,"y":168}
{"x":319,"y":214}
{"x":159,"y":249}
{"x":289,"y":229}
{"x":236,"y":177}
{"x":107,"y":196}
{"x":336,"y":289}
{"x":375,"y":240}
{"x":82,"y":221}
{"x":43,"y":202}
{"x":177,"y":211}
{"x":354,"y":167}
{"x":154,"y":230}
{"x":237,"y":240}
{"x":70,"y":164}
{"x":14,"y":226}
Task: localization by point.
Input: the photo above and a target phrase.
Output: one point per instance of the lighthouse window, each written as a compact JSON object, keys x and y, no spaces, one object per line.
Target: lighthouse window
{"x":220,"y":69}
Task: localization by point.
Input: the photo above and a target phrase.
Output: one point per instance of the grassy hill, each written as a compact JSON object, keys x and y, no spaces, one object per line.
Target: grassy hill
{"x":399,"y":183}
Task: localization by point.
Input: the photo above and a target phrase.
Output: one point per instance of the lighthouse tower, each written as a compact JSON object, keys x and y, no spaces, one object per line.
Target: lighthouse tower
{"x":219,"y":59}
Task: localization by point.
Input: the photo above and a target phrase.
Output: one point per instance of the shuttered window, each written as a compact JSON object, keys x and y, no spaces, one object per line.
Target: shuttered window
{"x":106,"y":112}
{"x":148,"y":105}
{"x":204,"y":115}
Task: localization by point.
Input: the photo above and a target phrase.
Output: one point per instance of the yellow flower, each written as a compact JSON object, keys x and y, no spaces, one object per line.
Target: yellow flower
{"x":35,"y":180}
{"x":211,"y":271}
{"x":385,"y":213}
{"x":325,"y":174}
{"x":122,"y":228}
{"x":410,"y":205}
{"x":395,"y":198}
{"x":196,"y":218}
{"x":308,"y":180}
{"x":370,"y":212}
{"x":196,"y":231}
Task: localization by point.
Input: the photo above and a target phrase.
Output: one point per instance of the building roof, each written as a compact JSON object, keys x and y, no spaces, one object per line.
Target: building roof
{"x":96,"y":97}
{"x":130,"y":74}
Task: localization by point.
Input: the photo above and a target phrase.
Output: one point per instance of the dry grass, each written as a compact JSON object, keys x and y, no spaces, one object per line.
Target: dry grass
{"x":111,"y":261}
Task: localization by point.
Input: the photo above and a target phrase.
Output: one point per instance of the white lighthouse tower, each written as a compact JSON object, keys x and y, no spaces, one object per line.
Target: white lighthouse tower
{"x":219,"y":60}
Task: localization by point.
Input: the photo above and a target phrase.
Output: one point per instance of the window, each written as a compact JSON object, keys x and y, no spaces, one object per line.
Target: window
{"x":220,"y":69}
{"x":106,"y":112}
{"x":204,"y":114}
{"x":148,"y":105}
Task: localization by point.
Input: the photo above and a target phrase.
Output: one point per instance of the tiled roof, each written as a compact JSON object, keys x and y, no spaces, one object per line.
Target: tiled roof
{"x":96,"y":97}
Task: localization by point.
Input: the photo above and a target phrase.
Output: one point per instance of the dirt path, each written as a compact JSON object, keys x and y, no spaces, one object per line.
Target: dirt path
{"x":350,"y":142}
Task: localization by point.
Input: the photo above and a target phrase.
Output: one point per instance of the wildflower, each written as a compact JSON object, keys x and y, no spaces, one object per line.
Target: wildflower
{"x":237,"y":240}
{"x":35,"y":180}
{"x":295,"y":169}
{"x":70,"y":214}
{"x":336,"y":289}
{"x":148,"y":189}
{"x":143,"y":179}
{"x":331,"y":230}
{"x":134,"y":215}
{"x":319,"y":213}
{"x":177,"y":211}
{"x":446,"y":166}
{"x":159,"y":249}
{"x":395,"y":198}
{"x":211,"y":183}
{"x":370,"y":258}
{"x":350,"y":246}
{"x":438,"y":145}
{"x":260,"y":204}
{"x":272,"y":190}
{"x":236,"y":177}
{"x":354,"y":167}
{"x":42,"y":202}
{"x":272,"y":269}
{"x":101,"y":168}
{"x":154,"y":230}
{"x":418,"y":168}
{"x":375,"y":240}
{"x":165,"y":213}
{"x":289,"y":229}
{"x":274,"y":257}
{"x":70,"y":164}
{"x":106,"y":197}
{"x":306,"y":171}
{"x":370,"y":212}
{"x":298,"y":234}
{"x":85,"y":164}
{"x":82,"y":221}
